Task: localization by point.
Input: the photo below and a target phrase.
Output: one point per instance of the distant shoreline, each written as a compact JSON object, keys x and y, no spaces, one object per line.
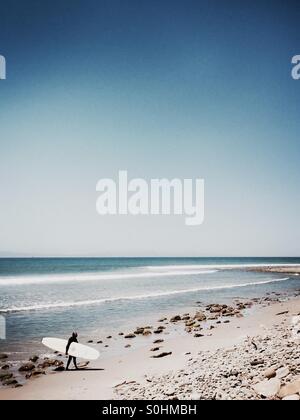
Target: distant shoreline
{"x":290,"y":269}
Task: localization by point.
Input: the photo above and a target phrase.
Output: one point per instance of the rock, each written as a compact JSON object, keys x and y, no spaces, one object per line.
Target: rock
{"x":147,"y":332}
{"x":216,"y":308}
{"x":197,"y":335}
{"x":190,"y":323}
{"x":90,"y":341}
{"x":37,"y":372}
{"x":34,"y":358}
{"x":130,"y":335}
{"x":158,"y":341}
{"x":175,"y":318}
{"x":169,"y":392}
{"x":10,"y":382}
{"x":293,"y":397}
{"x":99,"y":342}
{"x":282,"y":372}
{"x":5,"y":367}
{"x":127,"y":346}
{"x":257,"y":362}
{"x":155,"y":349}
{"x":290,"y":389}
{"x":268,"y":387}
{"x":3,"y":356}
{"x":163,"y":354}
{"x":269,"y":373}
{"x":282,"y":313}
{"x":139,"y":330}
{"x":109,"y":336}
{"x":5,"y":376}
{"x":158,"y":331}
{"x":121,"y":333}
{"x":200,"y":316}
{"x":26,"y":367}
{"x":50,"y":362}
{"x":162,"y":320}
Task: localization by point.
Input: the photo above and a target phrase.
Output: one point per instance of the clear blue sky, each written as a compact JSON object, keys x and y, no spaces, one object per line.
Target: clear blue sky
{"x":162,"y":89}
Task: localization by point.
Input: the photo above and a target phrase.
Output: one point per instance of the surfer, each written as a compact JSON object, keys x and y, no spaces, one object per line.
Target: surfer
{"x":72,"y":339}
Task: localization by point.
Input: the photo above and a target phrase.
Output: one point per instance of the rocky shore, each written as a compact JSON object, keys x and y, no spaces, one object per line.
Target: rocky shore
{"x":260,"y":366}
{"x":285,"y":269}
{"x":263,"y":367}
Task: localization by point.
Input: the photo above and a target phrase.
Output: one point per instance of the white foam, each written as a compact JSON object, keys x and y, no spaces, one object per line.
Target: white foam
{"x":217,"y":266}
{"x":52,"y":278}
{"x":145,"y":296}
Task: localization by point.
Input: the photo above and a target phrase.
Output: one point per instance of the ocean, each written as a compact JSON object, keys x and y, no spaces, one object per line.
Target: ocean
{"x":55,"y":296}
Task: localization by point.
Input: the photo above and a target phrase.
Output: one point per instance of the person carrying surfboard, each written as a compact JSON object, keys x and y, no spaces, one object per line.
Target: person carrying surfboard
{"x":72,"y":339}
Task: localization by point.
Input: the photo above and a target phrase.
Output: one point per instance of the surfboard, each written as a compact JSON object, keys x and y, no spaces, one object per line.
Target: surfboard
{"x":75,"y":349}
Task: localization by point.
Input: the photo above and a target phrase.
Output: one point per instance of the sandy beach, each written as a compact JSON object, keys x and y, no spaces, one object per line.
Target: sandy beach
{"x":236,"y":352}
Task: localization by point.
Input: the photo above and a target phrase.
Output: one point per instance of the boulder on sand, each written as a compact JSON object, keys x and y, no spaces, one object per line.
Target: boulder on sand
{"x":26,"y":367}
{"x":200,"y":316}
{"x":268,"y":387}
{"x":5,"y":376}
{"x":270,"y":373}
{"x":130,"y":335}
{"x":282,"y":372}
{"x":163,"y":354}
{"x":11,"y":381}
{"x":175,"y":318}
{"x":290,"y":389}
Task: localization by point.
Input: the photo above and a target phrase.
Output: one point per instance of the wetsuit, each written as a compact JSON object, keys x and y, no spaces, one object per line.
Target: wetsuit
{"x":70,"y":341}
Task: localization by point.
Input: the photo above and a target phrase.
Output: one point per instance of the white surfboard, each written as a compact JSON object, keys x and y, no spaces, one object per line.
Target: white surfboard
{"x":75,"y":349}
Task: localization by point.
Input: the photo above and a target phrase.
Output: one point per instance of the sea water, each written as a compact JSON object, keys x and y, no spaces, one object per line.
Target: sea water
{"x":55,"y":296}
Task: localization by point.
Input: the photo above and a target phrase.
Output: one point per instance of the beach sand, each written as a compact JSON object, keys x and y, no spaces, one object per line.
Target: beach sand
{"x":135,"y":373}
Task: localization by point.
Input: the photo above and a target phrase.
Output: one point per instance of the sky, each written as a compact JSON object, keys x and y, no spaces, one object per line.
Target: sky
{"x":162,"y":89}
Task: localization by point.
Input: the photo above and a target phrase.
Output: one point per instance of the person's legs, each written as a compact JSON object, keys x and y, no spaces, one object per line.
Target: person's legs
{"x":75,"y":362}
{"x":68,"y":363}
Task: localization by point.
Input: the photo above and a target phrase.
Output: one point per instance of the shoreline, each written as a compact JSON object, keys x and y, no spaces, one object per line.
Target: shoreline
{"x":284,"y":269}
{"x":134,"y":372}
